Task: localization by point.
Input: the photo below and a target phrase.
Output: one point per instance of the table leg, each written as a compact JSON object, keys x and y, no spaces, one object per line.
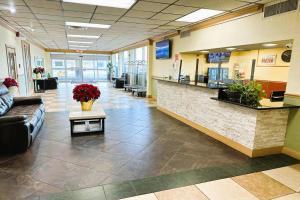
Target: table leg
{"x":102,"y":125}
{"x":72,"y":127}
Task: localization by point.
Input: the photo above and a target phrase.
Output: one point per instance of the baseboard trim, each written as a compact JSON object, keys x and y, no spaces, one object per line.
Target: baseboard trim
{"x":291,"y":152}
{"x":239,"y":147}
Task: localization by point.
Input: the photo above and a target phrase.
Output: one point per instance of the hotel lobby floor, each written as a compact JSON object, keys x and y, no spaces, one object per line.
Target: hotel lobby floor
{"x":142,"y":151}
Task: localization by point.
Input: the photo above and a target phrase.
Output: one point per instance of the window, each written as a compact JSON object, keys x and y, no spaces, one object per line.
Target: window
{"x":79,"y":68}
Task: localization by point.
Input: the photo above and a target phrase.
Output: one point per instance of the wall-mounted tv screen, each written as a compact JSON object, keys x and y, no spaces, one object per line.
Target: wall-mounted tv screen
{"x":163,"y":49}
{"x":218,"y":57}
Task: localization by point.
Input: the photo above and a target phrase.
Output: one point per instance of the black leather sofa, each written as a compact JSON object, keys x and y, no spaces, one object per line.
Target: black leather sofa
{"x":20,"y":121}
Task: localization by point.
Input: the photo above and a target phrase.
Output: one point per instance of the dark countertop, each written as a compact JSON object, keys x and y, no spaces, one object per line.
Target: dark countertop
{"x":277,"y":105}
{"x":191,"y":83}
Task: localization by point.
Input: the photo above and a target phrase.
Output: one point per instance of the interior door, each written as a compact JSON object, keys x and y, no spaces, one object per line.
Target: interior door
{"x":12,"y":62}
{"x":27,"y":66}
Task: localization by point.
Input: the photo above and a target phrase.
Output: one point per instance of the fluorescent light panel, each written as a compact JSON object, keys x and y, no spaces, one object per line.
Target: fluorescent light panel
{"x":84,"y":36}
{"x":87,"y":25}
{"x":270,"y":45}
{"x":199,"y":15}
{"x":80,"y":42}
{"x":106,"y":3}
{"x":79,"y":46}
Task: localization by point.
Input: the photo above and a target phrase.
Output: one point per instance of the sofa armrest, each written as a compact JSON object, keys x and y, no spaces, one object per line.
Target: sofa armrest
{"x":18,"y":101}
{"x":14,"y":133}
{"x":13,"y":119}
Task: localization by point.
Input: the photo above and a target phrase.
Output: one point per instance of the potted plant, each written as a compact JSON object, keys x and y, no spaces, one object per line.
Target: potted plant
{"x":86,"y":94}
{"x":38,"y":71}
{"x":109,"y":67}
{"x":248,"y":94}
{"x":12,"y":86}
{"x":252,"y":94}
{"x":234,"y":91}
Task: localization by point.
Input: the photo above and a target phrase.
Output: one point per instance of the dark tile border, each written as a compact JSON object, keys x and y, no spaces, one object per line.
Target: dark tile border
{"x":131,"y":188}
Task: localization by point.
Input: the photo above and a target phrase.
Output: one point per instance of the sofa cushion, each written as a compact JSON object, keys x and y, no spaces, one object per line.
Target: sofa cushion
{"x":3,"y":108}
{"x":8,"y":99}
{"x":3,"y":90}
{"x":34,"y":113}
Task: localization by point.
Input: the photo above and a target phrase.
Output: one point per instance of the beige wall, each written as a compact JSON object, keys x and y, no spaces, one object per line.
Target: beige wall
{"x":248,"y":30}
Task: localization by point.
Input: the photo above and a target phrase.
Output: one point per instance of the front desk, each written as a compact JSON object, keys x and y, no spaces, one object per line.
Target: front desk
{"x":253,"y":131}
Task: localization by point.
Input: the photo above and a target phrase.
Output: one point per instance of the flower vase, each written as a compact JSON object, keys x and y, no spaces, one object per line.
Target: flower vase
{"x":13,"y":90}
{"x":87,"y":106}
{"x":38,"y":76}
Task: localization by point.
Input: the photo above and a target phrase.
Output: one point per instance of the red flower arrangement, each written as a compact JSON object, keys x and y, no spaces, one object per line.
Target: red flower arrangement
{"x":37,"y":70}
{"x":9,"y":82}
{"x":86,"y":92}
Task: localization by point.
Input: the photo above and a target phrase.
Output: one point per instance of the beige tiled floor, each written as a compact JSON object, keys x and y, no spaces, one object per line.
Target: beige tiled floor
{"x":289,"y":176}
{"x":225,"y":189}
{"x":61,"y":100}
{"x":277,"y":184}
{"x":183,"y":193}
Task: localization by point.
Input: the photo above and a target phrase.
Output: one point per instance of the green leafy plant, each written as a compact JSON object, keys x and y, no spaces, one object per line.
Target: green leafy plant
{"x":249,"y":93}
{"x":109,"y":67}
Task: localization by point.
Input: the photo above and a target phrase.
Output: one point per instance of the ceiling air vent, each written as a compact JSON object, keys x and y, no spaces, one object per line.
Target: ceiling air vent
{"x":282,"y":7}
{"x":184,"y":34}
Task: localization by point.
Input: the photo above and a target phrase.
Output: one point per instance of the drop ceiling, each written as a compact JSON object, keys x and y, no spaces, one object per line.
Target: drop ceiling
{"x":43,"y":21}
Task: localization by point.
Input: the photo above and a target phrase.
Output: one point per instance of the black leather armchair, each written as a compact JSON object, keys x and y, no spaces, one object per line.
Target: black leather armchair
{"x":20,"y":121}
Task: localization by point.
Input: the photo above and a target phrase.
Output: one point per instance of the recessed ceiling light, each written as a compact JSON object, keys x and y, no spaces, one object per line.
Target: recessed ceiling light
{"x":87,"y":25}
{"x":204,"y":51}
{"x":84,"y":36}
{"x":199,"y":15}
{"x":78,"y":46}
{"x":106,"y":3}
{"x":80,"y":42}
{"x":270,"y":45}
{"x":230,"y":48}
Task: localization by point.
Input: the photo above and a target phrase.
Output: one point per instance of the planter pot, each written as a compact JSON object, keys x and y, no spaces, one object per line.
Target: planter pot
{"x":14,"y":90}
{"x":38,"y":76}
{"x":87,"y":106}
{"x":233,"y":96}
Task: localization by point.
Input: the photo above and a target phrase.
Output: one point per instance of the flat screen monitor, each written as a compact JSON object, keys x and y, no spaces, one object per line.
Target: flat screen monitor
{"x":163,"y":49}
{"x":218,"y":57}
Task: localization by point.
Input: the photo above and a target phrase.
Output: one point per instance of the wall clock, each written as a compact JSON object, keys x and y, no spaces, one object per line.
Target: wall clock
{"x":286,"y":56}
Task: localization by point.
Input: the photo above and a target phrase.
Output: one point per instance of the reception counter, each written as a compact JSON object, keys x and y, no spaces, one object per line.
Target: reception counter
{"x":253,"y":131}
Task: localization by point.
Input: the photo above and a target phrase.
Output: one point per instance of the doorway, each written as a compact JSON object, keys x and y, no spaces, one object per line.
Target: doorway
{"x":27,"y":65}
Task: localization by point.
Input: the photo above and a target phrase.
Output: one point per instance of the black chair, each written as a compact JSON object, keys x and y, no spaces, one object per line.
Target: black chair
{"x":277,"y":96}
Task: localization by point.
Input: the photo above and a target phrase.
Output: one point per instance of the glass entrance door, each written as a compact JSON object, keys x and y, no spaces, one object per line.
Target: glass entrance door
{"x":80,"y":68}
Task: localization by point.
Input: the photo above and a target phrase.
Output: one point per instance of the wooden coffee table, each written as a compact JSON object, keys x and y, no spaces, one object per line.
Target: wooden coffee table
{"x":87,"y":122}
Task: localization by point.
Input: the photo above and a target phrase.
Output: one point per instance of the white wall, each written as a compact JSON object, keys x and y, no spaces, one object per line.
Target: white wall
{"x":7,"y":37}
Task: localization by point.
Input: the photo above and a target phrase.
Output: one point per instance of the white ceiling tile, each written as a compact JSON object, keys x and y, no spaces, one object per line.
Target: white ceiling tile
{"x":163,"y":16}
{"x":149,"y":6}
{"x":215,"y":4}
{"x":43,"y":4}
{"x":110,"y":11}
{"x":139,"y":14}
{"x":78,"y":14}
{"x":106,"y":17}
{"x":181,"y":10}
{"x":78,"y":7}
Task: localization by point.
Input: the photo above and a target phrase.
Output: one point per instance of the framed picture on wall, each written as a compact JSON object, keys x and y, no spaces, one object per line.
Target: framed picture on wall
{"x":268,"y":59}
{"x":11,"y":62}
{"x":39,"y":61}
